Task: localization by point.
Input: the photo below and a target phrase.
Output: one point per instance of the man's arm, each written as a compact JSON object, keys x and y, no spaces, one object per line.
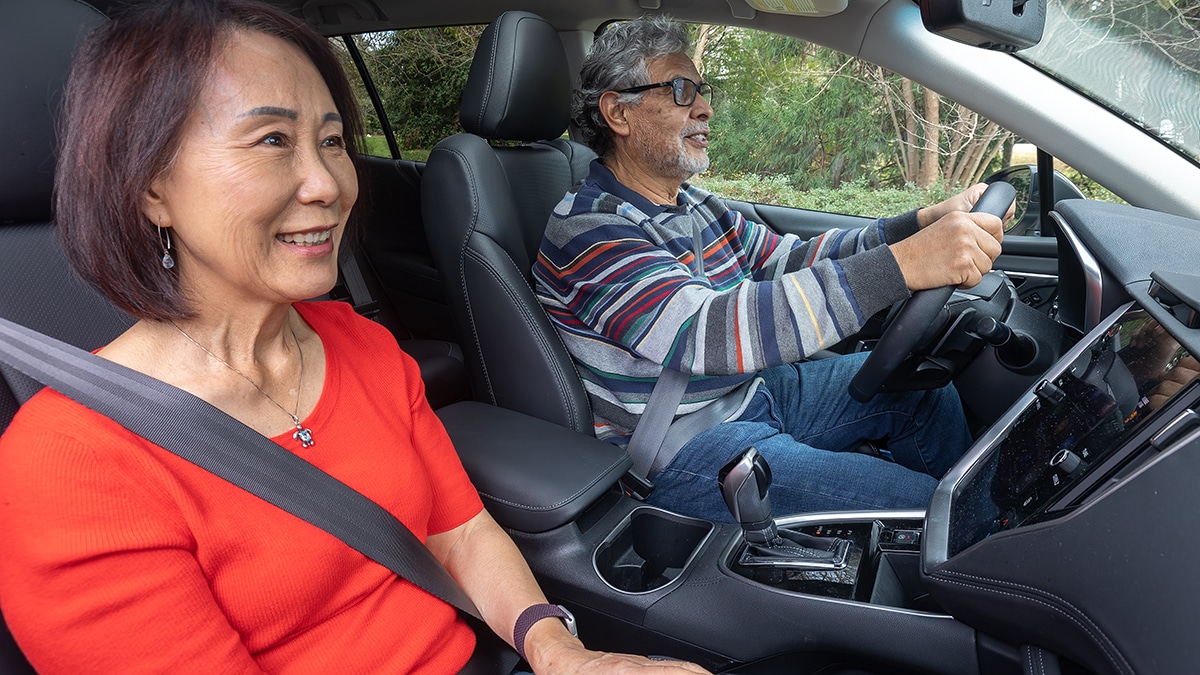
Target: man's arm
{"x":609,"y":281}
{"x":772,"y":255}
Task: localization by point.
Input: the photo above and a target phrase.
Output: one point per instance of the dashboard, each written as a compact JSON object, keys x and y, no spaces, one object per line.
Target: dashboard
{"x":1068,"y":523}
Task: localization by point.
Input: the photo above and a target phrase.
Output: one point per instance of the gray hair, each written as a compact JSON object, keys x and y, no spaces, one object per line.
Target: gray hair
{"x":618,"y":60}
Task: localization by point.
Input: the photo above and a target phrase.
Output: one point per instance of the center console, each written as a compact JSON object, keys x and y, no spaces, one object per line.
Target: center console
{"x":881,"y":566}
{"x":1049,"y":505}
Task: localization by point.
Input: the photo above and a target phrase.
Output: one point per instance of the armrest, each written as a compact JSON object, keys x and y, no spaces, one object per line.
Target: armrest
{"x":533,"y":475}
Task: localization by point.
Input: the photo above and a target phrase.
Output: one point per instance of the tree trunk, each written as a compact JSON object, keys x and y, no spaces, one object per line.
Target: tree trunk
{"x":912,"y":164}
{"x":932,"y":133}
{"x":703,"y":33}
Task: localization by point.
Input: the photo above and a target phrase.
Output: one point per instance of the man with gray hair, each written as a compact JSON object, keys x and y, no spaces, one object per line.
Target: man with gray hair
{"x":690,"y":324}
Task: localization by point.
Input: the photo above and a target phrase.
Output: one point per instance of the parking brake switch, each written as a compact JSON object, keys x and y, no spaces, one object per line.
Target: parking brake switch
{"x":745,"y":484}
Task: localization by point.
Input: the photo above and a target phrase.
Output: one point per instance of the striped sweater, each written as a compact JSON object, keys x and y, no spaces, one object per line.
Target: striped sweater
{"x":632,"y":287}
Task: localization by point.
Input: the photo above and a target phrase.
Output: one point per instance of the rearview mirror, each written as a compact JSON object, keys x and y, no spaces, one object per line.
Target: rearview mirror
{"x":1002,"y":25}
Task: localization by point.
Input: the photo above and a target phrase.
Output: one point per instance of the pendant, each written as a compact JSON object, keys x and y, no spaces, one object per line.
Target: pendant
{"x":303,"y":435}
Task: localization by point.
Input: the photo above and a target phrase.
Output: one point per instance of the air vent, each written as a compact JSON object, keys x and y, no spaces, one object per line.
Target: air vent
{"x":1179,"y":293}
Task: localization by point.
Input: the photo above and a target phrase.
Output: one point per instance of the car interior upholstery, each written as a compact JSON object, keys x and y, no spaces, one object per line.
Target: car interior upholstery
{"x":1036,"y":545}
{"x":493,"y":202}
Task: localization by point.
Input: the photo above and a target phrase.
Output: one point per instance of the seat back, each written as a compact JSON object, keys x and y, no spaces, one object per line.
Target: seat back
{"x":486,"y":208}
{"x":37,"y":287}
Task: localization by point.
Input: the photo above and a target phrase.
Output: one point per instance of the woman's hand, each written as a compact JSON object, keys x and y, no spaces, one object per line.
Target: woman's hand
{"x":963,"y":201}
{"x":553,"y":651}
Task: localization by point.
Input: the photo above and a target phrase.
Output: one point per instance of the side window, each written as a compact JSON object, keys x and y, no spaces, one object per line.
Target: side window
{"x":802,"y":125}
{"x":418,"y":76}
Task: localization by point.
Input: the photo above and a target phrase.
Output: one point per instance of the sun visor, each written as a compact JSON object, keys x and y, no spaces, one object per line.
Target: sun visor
{"x":798,"y":7}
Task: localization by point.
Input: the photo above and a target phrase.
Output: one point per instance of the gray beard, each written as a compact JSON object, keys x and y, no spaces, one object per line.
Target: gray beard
{"x":693,"y":165}
{"x":682,"y":165}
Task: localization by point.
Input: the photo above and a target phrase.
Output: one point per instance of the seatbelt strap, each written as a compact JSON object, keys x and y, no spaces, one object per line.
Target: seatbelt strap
{"x":659,"y":436}
{"x":656,"y":419}
{"x":200,"y":433}
{"x":356,"y":284}
{"x":684,"y":429}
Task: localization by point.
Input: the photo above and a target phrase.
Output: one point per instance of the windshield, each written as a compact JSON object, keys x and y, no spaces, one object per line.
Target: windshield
{"x":1140,"y":58}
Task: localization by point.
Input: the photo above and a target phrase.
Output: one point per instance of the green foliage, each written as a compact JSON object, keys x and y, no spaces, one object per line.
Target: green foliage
{"x":377,"y":146}
{"x":786,"y":107}
{"x":1090,"y":188}
{"x":795,"y":124}
{"x":420,"y":75}
{"x":856,"y":198}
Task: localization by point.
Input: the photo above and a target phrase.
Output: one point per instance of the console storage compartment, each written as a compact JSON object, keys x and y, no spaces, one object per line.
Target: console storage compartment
{"x":532,"y":475}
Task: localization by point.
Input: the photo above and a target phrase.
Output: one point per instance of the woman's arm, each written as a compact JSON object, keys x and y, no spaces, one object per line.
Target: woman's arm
{"x":484,"y":561}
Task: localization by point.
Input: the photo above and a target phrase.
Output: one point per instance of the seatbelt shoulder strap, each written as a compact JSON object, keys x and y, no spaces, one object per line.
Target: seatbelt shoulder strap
{"x":196,"y":431}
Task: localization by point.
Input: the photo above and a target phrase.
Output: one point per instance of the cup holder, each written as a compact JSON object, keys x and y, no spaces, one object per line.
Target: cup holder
{"x":649,"y":549}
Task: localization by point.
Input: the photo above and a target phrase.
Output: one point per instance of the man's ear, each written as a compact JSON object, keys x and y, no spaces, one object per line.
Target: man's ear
{"x":614,"y":112}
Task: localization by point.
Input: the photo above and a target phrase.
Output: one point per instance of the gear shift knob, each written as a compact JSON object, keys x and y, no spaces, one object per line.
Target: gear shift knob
{"x":745,"y":483}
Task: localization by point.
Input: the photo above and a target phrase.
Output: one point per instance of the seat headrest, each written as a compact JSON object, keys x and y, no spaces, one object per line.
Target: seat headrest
{"x":37,"y":40}
{"x":519,"y":87}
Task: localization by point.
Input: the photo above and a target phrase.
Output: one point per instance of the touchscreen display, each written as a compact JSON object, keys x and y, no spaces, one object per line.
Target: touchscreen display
{"x":1077,"y":419}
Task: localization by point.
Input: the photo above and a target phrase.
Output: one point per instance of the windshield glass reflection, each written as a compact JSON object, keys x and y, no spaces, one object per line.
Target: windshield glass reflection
{"x":1140,"y":58}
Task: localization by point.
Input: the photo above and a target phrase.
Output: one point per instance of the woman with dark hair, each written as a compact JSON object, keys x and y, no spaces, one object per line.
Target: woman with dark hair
{"x":205,"y":184}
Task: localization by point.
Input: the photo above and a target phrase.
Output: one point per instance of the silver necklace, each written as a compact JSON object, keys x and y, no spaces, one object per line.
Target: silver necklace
{"x":302,"y":434}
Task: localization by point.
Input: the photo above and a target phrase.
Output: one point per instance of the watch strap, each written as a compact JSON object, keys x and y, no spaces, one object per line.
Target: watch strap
{"x":535,"y":613}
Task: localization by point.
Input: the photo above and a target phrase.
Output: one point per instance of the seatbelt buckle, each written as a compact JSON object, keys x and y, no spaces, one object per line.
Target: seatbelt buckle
{"x":635,"y":486}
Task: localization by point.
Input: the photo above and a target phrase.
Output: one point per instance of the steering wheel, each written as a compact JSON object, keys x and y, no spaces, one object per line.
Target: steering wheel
{"x":918,"y":312}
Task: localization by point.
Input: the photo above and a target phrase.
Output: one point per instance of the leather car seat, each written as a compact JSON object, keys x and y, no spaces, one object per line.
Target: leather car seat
{"x":37,"y":288}
{"x":486,"y":202}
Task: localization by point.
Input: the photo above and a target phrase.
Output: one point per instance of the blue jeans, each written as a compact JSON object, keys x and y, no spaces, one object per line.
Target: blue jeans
{"x":803,"y":421}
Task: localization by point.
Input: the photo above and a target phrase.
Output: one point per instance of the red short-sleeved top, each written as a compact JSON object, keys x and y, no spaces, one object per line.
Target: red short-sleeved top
{"x":119,"y":556}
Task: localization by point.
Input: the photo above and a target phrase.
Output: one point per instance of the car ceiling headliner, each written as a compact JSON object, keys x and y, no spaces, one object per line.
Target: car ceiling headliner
{"x":336,"y":17}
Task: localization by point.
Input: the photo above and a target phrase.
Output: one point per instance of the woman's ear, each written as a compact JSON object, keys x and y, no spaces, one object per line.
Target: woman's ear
{"x":615,"y":113}
{"x":154,"y":207}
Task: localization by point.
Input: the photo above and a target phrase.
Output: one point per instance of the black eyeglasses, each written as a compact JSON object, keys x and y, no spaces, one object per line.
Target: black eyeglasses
{"x":685,"y":90}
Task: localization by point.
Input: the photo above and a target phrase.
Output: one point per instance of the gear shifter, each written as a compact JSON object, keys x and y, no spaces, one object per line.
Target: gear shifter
{"x":746,"y":484}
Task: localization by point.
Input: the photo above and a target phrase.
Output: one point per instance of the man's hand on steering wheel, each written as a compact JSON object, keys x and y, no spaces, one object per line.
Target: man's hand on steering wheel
{"x":957,"y":250}
{"x":963,"y":201}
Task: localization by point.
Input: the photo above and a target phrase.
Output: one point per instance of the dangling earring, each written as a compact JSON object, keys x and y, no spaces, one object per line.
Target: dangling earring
{"x":167,"y":261}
